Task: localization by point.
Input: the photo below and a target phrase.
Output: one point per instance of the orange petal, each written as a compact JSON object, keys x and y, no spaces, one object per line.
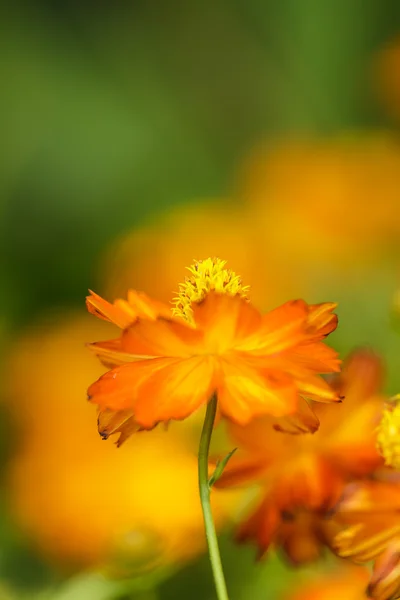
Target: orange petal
{"x":385,"y":581}
{"x":281,"y":329}
{"x":316,"y":357}
{"x":369,"y":498}
{"x":321,"y":322}
{"x":300,"y":539}
{"x":261,"y":526}
{"x":176,"y":391}
{"x":117,"y":389}
{"x":119,"y":313}
{"x":352,"y":443}
{"x":246,"y":393}
{"x":163,"y":337}
{"x":362,"y":375}
{"x":147,"y":308}
{"x":111,"y":353}
{"x":241,"y":471}
{"x":113,"y":422}
{"x":365,"y":541}
{"x":226,"y":319}
{"x":316,"y":388}
{"x":304,"y":420}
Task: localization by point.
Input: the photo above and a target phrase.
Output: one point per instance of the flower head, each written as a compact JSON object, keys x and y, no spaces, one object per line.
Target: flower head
{"x":369,"y":514}
{"x":388,"y":438}
{"x":302,"y":477}
{"x":165,"y":367}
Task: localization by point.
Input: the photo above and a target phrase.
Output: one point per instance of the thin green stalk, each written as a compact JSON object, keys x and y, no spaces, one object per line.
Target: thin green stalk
{"x":204,"y":488}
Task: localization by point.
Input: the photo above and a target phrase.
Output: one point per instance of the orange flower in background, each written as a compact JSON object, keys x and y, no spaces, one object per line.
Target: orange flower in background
{"x":387,"y":76}
{"x":369,"y":512}
{"x":344,"y":583}
{"x":319,"y":201}
{"x":303,"y":476}
{"x":155,"y":255}
{"x":81,"y":502}
{"x":217,"y":342}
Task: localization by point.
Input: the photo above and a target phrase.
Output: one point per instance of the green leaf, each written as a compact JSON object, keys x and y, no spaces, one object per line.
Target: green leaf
{"x":219,"y":468}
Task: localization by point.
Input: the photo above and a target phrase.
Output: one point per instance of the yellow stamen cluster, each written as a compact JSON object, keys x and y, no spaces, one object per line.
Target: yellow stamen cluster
{"x":206,"y":276}
{"x":388,"y":437}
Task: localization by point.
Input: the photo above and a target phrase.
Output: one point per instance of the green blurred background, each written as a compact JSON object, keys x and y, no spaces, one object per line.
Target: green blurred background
{"x":115,"y":116}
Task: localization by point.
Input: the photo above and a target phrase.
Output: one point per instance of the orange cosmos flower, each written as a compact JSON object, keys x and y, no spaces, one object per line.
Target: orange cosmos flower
{"x":346,"y":583}
{"x":303,"y":477}
{"x":370,"y":513}
{"x":215,"y":342}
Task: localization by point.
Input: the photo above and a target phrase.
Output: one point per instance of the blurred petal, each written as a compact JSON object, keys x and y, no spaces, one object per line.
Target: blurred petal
{"x":261,"y":526}
{"x":362,"y":375}
{"x":316,"y":388}
{"x":385,"y":581}
{"x":240,"y":471}
{"x":302,"y":421}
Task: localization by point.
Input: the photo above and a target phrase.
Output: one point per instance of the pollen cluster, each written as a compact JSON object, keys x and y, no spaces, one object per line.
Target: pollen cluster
{"x":388,"y":438}
{"x":206,"y":276}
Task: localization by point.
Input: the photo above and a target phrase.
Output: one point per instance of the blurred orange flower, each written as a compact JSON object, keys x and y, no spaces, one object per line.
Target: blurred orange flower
{"x":344,"y":583}
{"x":303,"y":476}
{"x":370,"y":513}
{"x":218,"y":343}
{"x":320,"y":201}
{"x":70,"y":491}
{"x":155,"y":256}
{"x":387,"y":75}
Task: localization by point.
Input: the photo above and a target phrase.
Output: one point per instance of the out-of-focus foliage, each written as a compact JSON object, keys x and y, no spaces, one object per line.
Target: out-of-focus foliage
{"x":136,"y":137}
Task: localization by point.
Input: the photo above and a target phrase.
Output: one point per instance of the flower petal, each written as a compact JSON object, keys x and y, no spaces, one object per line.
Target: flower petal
{"x":246,"y":393}
{"x":117,"y":389}
{"x":321,"y":322}
{"x":312,"y":356}
{"x":119,"y":313}
{"x":111,"y":353}
{"x":225,"y":319}
{"x":362,"y":376}
{"x":176,"y":391}
{"x":111,"y":422}
{"x":385,"y":581}
{"x":163,"y":337}
{"x":303,"y":421}
{"x":261,"y":526}
{"x":316,"y":388}
{"x":281,"y":328}
{"x":241,"y":471}
{"x":124,"y":312}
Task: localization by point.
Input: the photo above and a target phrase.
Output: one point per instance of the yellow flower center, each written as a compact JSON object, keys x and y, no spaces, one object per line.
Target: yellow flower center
{"x":206,"y":276}
{"x":388,"y":438}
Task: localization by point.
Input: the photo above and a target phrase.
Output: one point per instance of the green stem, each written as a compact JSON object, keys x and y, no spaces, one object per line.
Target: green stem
{"x":204,"y":489}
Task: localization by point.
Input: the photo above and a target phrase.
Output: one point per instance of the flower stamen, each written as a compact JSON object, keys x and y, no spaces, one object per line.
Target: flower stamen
{"x":388,"y":437}
{"x":206,"y":276}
